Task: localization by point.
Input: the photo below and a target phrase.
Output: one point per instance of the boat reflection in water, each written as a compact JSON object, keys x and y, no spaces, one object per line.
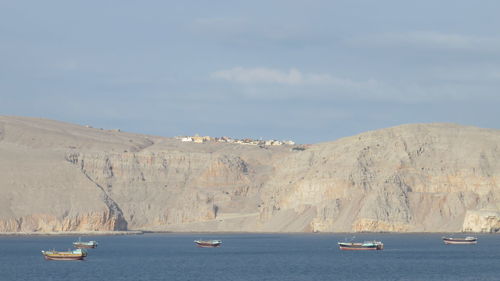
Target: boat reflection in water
{"x":77,"y":254}
{"x":208,"y":243}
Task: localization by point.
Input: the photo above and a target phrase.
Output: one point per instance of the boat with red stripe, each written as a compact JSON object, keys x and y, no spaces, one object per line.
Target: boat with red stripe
{"x":208,"y":243}
{"x":469,"y":240}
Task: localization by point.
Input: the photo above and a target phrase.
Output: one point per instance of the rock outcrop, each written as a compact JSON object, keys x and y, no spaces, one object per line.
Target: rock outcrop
{"x":482,"y":221}
{"x":410,"y":178}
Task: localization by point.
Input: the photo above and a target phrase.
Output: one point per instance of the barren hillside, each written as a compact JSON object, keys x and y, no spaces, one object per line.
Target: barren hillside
{"x":423,"y":177}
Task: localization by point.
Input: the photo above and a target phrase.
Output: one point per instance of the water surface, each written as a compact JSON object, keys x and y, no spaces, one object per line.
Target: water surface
{"x":259,"y":257}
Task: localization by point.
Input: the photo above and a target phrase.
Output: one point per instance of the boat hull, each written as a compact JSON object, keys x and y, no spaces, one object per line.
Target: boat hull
{"x":84,"y":246}
{"x":460,"y":241}
{"x":208,"y":244}
{"x":202,"y":245}
{"x":77,"y":254}
{"x":360,"y":247}
{"x":64,"y":258}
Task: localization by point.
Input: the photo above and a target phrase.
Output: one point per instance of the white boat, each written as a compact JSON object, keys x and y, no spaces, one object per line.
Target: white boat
{"x":208,"y":243}
{"x":460,"y":241}
{"x":82,"y":244}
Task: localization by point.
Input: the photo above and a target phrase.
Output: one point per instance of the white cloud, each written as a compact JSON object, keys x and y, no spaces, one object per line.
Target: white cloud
{"x":292,"y":76}
{"x":247,"y":31}
{"x":264,"y":82}
{"x":220,"y":26}
{"x":260,"y":75}
{"x":315,"y":86}
{"x":426,"y":39}
{"x":480,"y":74}
{"x":68,"y":65}
{"x":495,"y":75}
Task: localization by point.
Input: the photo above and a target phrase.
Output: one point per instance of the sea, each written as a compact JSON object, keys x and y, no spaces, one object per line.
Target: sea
{"x":252,"y":257}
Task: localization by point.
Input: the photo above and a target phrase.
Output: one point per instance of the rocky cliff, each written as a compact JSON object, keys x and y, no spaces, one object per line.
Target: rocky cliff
{"x":410,"y":178}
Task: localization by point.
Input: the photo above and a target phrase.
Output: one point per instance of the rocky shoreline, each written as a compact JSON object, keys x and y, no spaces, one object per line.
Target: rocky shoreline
{"x":72,"y":233}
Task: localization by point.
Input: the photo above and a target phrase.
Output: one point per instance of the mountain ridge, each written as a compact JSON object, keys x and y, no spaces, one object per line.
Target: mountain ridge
{"x":409,"y":178}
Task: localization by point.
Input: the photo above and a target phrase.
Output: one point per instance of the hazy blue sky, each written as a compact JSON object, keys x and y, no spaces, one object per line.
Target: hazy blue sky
{"x":310,"y":71}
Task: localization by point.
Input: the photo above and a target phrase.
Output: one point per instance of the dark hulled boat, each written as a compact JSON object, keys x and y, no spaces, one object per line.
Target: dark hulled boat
{"x":460,"y":241}
{"x":367,"y":245}
{"x":208,"y":243}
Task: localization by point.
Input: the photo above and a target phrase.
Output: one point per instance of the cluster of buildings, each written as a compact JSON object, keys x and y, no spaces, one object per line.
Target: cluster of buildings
{"x":200,"y":139}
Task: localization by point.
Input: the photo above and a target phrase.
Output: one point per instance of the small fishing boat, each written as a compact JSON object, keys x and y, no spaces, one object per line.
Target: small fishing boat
{"x":81,"y":244}
{"x":77,"y":254}
{"x":367,"y":245}
{"x":460,"y":241}
{"x":208,"y":243}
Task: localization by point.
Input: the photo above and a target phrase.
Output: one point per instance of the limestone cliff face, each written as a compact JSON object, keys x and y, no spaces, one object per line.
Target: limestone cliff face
{"x":39,"y":192}
{"x":95,"y":221}
{"x":482,"y":221}
{"x":422,"y":177}
{"x":160,"y":188}
{"x":408,"y":178}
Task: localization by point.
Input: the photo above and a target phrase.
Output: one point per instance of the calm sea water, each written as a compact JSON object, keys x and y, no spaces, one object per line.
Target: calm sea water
{"x":259,"y":257}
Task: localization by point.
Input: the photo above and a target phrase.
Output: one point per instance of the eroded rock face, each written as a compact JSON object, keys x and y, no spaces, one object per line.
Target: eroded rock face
{"x":48,"y":223}
{"x":407,"y":178}
{"x":159,"y":188}
{"x":482,"y":221}
{"x":423,"y":177}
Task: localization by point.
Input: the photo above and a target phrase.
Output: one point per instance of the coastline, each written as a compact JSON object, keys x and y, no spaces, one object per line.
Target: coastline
{"x":73,"y":233}
{"x":141,"y":232}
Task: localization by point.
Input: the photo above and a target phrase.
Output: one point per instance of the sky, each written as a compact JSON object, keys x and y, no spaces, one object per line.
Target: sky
{"x":308,"y":71}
